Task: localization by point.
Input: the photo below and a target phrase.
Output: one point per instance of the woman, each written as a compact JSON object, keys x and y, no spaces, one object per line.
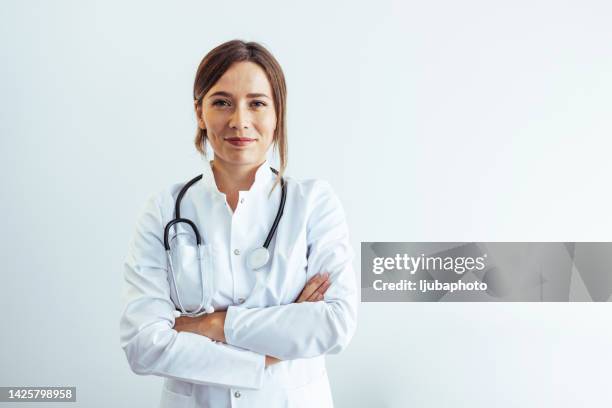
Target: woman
{"x":263,"y":340}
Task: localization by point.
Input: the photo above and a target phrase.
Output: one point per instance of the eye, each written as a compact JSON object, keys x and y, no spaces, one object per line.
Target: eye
{"x":259,"y":103}
{"x":220,"y":102}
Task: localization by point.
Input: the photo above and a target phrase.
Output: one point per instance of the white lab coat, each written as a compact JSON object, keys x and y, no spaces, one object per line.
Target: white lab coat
{"x":312,"y":237}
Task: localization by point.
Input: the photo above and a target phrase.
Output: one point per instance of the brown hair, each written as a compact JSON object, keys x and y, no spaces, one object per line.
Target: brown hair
{"x":218,"y":60}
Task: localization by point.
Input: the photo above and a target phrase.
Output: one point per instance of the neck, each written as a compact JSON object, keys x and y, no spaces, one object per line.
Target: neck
{"x":231,"y":178}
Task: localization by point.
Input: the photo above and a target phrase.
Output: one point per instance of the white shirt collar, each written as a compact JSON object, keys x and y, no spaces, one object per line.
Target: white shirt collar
{"x":263,"y":177}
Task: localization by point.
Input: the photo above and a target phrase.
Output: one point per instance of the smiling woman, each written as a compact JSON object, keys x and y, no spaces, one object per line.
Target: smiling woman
{"x":227,"y":321}
{"x":253,"y":115}
{"x":240,"y":124}
{"x":240,"y":118}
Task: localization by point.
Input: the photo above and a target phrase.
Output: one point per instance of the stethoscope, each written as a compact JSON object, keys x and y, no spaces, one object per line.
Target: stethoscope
{"x":257,"y":259}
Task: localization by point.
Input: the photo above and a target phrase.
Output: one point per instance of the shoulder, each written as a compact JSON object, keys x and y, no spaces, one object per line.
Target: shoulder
{"x":325,"y":218}
{"x":310,"y":189}
{"x":316,"y":194}
{"x":162,"y":201}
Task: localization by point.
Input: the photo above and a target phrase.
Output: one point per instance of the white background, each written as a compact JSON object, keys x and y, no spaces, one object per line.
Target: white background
{"x":434,"y":121}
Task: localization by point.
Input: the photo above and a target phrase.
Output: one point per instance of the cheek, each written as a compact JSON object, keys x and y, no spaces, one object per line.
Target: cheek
{"x":268,"y":125}
{"x":214,"y":124}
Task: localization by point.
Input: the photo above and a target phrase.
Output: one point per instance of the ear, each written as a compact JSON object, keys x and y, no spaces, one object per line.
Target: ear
{"x":198,"y":112}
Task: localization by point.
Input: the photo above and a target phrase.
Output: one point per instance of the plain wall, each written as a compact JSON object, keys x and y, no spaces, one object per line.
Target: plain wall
{"x":433,"y":121}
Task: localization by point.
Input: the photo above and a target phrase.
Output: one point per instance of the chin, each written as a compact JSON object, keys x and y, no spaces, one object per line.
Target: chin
{"x":243,"y":158}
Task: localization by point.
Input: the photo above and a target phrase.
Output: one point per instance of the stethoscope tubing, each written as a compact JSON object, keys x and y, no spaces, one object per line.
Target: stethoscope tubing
{"x":177,"y":221}
{"x":203,"y":308}
{"x":279,"y":213}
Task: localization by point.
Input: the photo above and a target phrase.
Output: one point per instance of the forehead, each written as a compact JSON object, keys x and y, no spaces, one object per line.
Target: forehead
{"x":243,"y":78}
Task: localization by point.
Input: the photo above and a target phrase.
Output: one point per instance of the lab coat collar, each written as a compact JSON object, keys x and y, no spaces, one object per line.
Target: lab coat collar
{"x":263,"y":177}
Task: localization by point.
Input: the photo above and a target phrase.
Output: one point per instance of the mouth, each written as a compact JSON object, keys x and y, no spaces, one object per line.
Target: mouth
{"x":239,"y":141}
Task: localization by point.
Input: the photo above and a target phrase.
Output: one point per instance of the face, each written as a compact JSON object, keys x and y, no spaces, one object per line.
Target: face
{"x":238,"y":115}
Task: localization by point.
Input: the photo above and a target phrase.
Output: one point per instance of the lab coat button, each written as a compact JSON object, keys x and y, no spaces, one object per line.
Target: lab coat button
{"x":236,"y":252}
{"x":240,"y":300}
{"x":237,"y":394}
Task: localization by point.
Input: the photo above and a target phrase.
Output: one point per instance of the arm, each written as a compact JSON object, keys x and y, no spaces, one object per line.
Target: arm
{"x":151,"y":344}
{"x":212,"y":325}
{"x":304,"y":330}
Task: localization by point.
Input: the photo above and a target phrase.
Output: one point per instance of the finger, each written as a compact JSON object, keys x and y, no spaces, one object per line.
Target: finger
{"x":312,"y":285}
{"x":306,"y":291}
{"x":313,"y":297}
{"x":319,"y":293}
{"x":323,"y":288}
{"x":316,"y":291}
{"x":320,"y":290}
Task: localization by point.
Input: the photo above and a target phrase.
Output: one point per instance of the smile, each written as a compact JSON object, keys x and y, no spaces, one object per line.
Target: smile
{"x":239,"y":141}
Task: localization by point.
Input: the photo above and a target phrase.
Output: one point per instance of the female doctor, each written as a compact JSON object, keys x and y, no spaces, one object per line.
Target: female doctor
{"x":267,"y":317}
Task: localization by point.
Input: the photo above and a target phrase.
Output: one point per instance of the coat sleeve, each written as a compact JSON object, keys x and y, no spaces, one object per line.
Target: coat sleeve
{"x":308,"y":329}
{"x":147,"y":336}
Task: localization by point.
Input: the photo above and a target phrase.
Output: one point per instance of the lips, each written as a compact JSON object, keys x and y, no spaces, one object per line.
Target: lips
{"x":239,"y":141}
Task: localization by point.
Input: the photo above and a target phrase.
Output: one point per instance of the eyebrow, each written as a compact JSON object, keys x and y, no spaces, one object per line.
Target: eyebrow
{"x":229,"y":95}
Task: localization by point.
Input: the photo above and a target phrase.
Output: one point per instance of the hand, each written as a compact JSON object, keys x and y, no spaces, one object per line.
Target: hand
{"x":271,"y":360}
{"x":209,"y":325}
{"x":315,"y":288}
{"x":313,"y":291}
{"x":212,"y":325}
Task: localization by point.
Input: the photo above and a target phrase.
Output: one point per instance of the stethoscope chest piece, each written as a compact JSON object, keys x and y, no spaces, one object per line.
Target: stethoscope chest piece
{"x":258,"y":258}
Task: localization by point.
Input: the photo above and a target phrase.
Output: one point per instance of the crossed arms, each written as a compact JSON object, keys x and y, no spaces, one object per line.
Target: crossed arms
{"x":232,"y":348}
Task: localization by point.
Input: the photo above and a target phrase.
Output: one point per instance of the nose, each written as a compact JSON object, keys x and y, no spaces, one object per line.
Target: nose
{"x":240,"y":118}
